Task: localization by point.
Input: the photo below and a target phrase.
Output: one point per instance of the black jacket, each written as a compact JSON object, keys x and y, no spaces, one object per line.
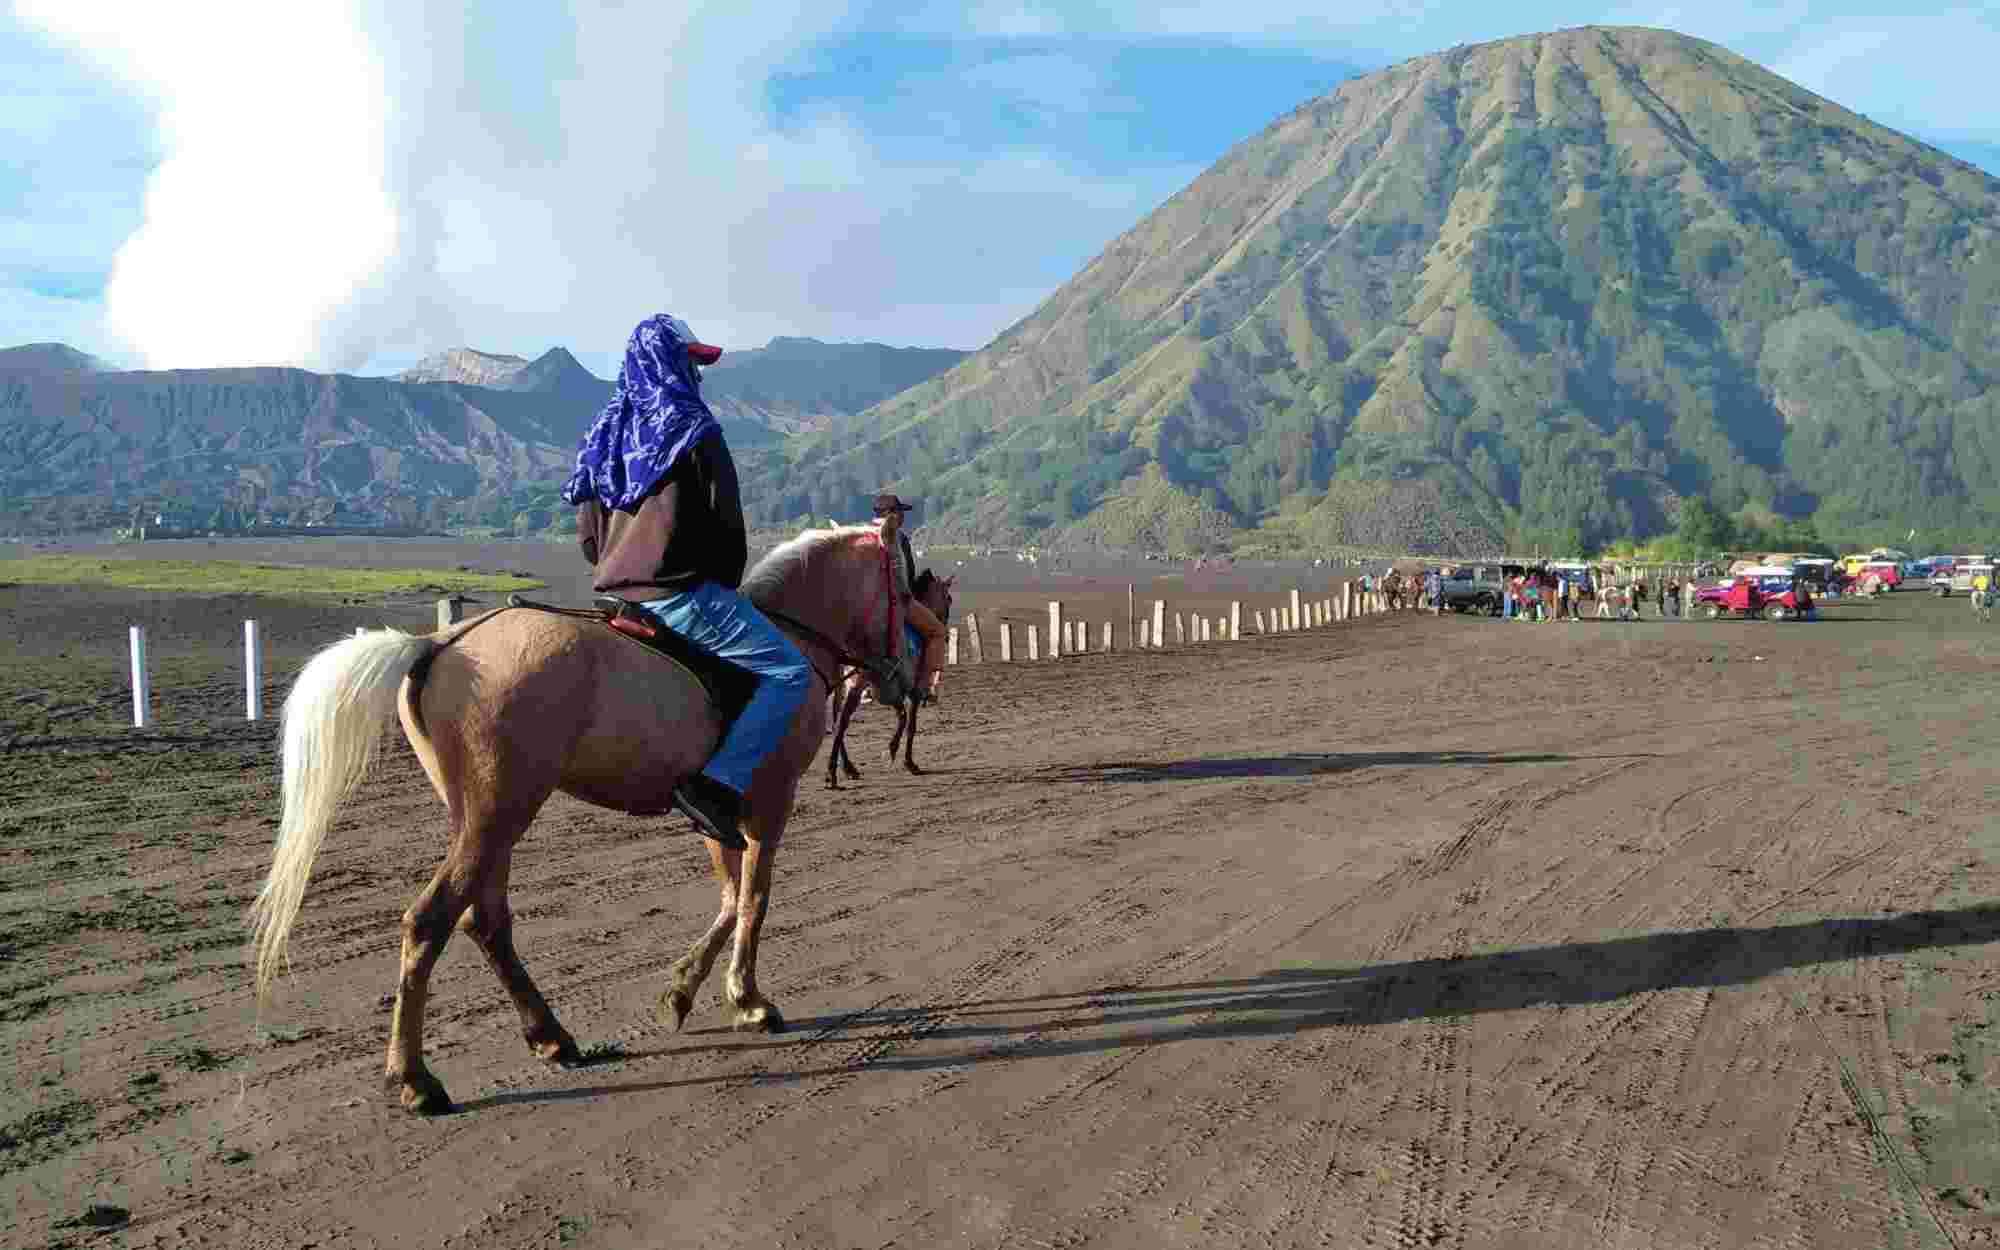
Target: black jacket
{"x":688,"y":531}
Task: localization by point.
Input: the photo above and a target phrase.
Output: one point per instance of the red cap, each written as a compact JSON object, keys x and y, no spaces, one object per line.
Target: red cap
{"x":703,"y":353}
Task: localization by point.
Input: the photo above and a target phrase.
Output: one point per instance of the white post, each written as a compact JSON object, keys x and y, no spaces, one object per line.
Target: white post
{"x":1034,"y":644}
{"x":1298,"y":620}
{"x":142,"y":689}
{"x":1055,"y":629}
{"x":1346,"y":601}
{"x":1257,"y":620}
{"x":360,"y":630}
{"x":253,"y":673}
{"x":951,"y":646}
{"x":1180,"y":630}
{"x":1006,"y":643}
{"x":1159,"y":622}
{"x":1107,"y":637}
{"x":1143,"y":639}
{"x":1236,"y":620}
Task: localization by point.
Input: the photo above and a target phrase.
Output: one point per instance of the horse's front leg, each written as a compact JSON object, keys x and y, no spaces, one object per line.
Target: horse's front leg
{"x":690,"y":970}
{"x":749,"y":1008}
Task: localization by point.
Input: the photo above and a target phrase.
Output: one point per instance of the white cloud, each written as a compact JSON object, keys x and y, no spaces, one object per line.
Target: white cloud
{"x":268,"y":222}
{"x":338,"y":185}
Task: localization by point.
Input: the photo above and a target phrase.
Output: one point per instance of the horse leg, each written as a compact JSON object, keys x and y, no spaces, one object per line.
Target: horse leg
{"x":854,"y":693}
{"x":483,"y":836}
{"x":490,"y":923}
{"x":749,"y":1008}
{"x":910,"y":742}
{"x":836,"y":703}
{"x":427,"y":927}
{"x":690,"y":970}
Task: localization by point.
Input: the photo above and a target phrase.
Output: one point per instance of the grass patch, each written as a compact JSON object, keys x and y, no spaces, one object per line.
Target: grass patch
{"x":233,"y":577}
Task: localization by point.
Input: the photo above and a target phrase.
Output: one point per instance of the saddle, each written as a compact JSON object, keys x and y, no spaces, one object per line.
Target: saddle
{"x":727,"y":685}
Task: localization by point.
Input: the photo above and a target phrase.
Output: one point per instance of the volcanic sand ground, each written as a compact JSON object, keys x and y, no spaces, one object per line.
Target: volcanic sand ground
{"x":1405,"y":932}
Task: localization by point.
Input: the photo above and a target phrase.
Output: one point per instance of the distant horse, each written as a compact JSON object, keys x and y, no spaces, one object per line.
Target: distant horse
{"x":934,"y":593}
{"x":1392,"y":590}
{"x":516,"y":704}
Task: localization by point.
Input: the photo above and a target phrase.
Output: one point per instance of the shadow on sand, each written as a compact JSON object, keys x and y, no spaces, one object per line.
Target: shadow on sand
{"x":1297,"y":764}
{"x":1287,"y":1001}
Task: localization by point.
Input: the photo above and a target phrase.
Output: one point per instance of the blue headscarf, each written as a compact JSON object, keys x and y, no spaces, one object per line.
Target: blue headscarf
{"x":652,"y":421}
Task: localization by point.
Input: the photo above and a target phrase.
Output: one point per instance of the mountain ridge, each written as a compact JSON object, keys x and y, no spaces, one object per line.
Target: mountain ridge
{"x":461,"y":425}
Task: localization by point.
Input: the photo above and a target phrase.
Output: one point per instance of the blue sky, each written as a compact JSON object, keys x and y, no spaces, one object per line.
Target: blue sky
{"x":180,"y":189}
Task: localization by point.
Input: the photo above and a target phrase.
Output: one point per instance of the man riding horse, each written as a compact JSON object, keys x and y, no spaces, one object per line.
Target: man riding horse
{"x":928,"y":633}
{"x":659,"y":516}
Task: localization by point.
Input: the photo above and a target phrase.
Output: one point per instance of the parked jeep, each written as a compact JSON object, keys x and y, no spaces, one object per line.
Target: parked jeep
{"x":1472,"y":589}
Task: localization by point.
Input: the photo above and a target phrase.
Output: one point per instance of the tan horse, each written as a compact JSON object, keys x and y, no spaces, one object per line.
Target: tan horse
{"x":935,"y":595}
{"x":515,"y":705}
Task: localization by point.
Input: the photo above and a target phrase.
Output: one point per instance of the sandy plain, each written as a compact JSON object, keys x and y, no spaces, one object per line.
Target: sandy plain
{"x":1410,"y":931}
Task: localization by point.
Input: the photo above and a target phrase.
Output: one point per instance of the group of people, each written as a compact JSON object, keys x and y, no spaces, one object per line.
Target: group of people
{"x":660,"y":519}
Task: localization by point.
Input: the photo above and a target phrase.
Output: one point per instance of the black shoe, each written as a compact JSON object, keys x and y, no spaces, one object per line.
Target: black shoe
{"x":714,"y":808}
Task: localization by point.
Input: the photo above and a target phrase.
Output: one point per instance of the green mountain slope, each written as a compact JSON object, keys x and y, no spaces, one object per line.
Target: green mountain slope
{"x":1533,"y":291}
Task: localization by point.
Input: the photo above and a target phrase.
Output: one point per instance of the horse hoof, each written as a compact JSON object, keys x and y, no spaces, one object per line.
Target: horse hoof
{"x":913,"y":769}
{"x":422,"y":1094}
{"x":762,"y":1018}
{"x":850,"y":772}
{"x":563,"y":1054}
{"x":673,"y":1009}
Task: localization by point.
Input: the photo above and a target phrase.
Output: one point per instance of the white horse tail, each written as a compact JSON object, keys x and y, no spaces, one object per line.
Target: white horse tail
{"x":333,"y":721}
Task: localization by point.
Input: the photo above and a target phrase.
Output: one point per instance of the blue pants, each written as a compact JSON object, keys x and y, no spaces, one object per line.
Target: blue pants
{"x":724,"y":623}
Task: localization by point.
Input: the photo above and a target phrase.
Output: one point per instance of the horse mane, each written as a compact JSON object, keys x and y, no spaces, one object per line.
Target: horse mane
{"x":789,"y":558}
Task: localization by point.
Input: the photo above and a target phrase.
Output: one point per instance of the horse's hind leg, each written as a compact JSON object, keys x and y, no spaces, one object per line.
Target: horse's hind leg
{"x":910,"y":741}
{"x":427,"y":927}
{"x":847,"y":719}
{"x":690,"y":970}
{"x":479,"y":844}
{"x":490,"y":923}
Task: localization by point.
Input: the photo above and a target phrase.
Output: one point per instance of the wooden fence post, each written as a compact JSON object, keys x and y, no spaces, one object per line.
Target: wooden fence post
{"x":1034,"y":644}
{"x":1006,"y":643}
{"x":253,"y":673}
{"x":142,"y":686}
{"x":1055,"y":630}
{"x":972,"y":638}
{"x":1159,"y":622}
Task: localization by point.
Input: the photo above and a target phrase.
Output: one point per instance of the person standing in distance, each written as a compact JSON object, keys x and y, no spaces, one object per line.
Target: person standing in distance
{"x":659,"y":516}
